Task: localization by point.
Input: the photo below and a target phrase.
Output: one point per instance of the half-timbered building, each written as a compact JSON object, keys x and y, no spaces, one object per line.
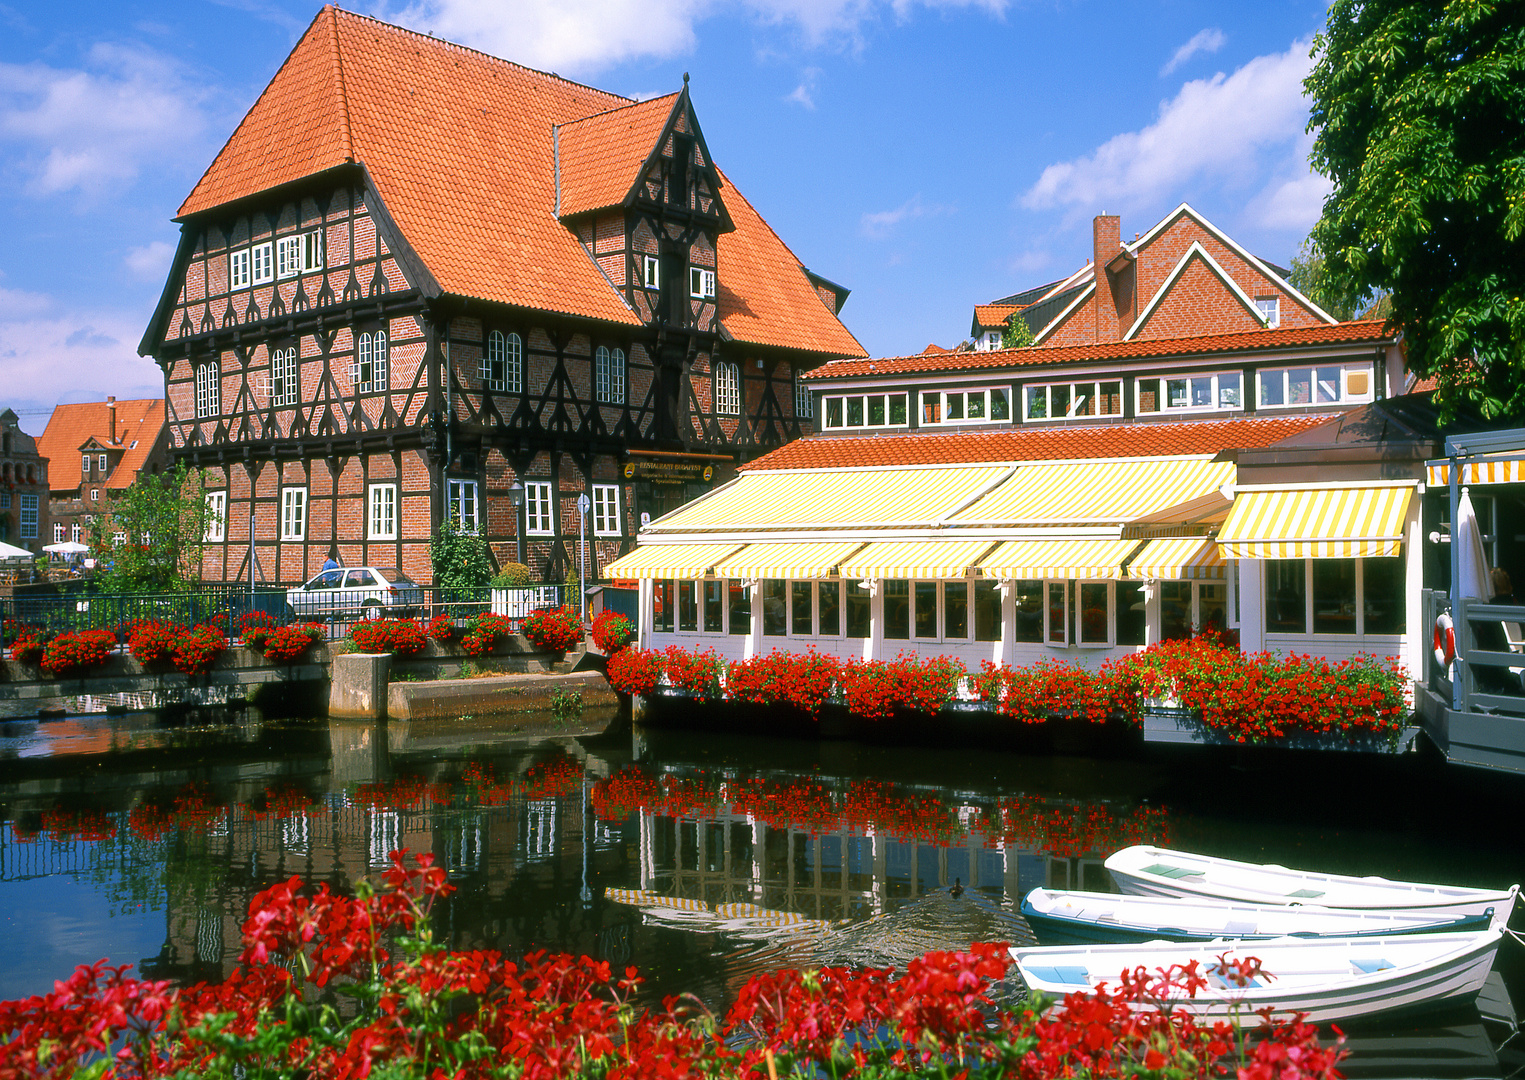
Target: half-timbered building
{"x":420,"y":282}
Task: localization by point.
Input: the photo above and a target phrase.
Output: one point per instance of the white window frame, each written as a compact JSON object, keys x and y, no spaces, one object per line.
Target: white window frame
{"x":1342,"y":384}
{"x":285,"y":388}
{"x":208,"y":389}
{"x":802,"y":400}
{"x":28,"y":515}
{"x":288,"y":257}
{"x":293,"y":513}
{"x":1064,"y":626}
{"x":1215,"y":393}
{"x":312,"y":251}
{"x":95,"y":494}
{"x":1269,"y":308}
{"x":1090,"y":387}
{"x":701,"y":283}
{"x":941,"y":397}
{"x":651,"y":272}
{"x":76,"y":530}
{"x":842,"y":401}
{"x":369,"y":371}
{"x":118,"y":538}
{"x":84,"y":465}
{"x":727,"y":388}
{"x":992,"y":342}
{"x":465,"y":505}
{"x":381,"y":512}
{"x":58,"y":532}
{"x":494,"y":367}
{"x":100,"y":462}
{"x":217,"y":517}
{"x":238,"y":269}
{"x":606,"y":510}
{"x":1111,"y":636}
{"x":262,"y":263}
{"x":609,"y":375}
{"x":539,"y":508}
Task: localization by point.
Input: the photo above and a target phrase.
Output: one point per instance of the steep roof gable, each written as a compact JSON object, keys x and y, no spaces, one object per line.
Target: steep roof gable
{"x":599,"y":158}
{"x":71,"y":427}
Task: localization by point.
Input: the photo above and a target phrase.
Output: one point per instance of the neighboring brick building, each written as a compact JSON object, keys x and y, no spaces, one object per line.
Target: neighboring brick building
{"x":23,"y":487}
{"x":419,"y":281}
{"x":115,"y":442}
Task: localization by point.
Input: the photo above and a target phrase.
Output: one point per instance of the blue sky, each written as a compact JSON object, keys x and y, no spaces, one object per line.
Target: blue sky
{"x":928,"y":155}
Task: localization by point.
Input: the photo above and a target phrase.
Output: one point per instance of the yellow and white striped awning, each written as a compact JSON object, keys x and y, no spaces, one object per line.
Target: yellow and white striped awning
{"x":1355,"y":522}
{"x":669,"y":561}
{"x":832,"y":499}
{"x":1072,"y":558}
{"x":1076,"y":492}
{"x":646,"y":898}
{"x":1178,"y":558}
{"x":916,"y":559}
{"x":787,"y":560}
{"x":1484,"y":470}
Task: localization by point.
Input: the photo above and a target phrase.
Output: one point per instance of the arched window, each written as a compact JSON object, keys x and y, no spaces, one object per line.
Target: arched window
{"x":284,"y":386}
{"x":514,"y":364}
{"x":609,"y":375}
{"x":369,"y":370}
{"x":494,"y":376}
{"x":208,"y":389}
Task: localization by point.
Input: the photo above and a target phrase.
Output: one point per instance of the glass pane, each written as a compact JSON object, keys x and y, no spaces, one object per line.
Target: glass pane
{"x":775,"y":612}
{"x":1271,"y":388}
{"x":1202,"y":391}
{"x":831,"y":608}
{"x":1328,"y":385}
{"x":1085,"y":400}
{"x":987,"y":611}
{"x":800,"y":620}
{"x":688,"y":605}
{"x":876,"y":410}
{"x":1059,"y":400}
{"x":1228,"y":390}
{"x":931,"y":408}
{"x":1175,"y":610}
{"x":1111,"y":399}
{"x":1286,"y":607}
{"x":661,"y":603}
{"x":1036,"y":407}
{"x":1175,"y":393}
{"x":897,"y":408}
{"x":1130,"y":612}
{"x":1056,"y":612}
{"x":1334,"y":596}
{"x":954,"y":404}
{"x":955,"y":610}
{"x":834,"y":412}
{"x":1383,"y":595}
{"x":714,"y":607}
{"x":1028,"y":600}
{"x":1148,"y":395}
{"x":1300,"y":386}
{"x":1000,"y":404}
{"x":977,"y":405}
{"x":854,"y":412}
{"x":741,"y":607}
{"x":897,"y":608}
{"x":1212,"y":608}
{"x":1093,"y":613}
{"x":926,"y":609}
{"x":859,"y":609}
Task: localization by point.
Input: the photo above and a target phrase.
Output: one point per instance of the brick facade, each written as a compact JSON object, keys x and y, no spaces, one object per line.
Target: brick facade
{"x":25,"y":518}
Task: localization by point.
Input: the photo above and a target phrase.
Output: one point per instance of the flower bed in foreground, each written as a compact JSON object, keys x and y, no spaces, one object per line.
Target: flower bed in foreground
{"x":1247,"y":696}
{"x":420,"y":1010}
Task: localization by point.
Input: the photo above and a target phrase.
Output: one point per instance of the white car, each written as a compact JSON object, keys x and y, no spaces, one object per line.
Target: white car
{"x":351,"y":592}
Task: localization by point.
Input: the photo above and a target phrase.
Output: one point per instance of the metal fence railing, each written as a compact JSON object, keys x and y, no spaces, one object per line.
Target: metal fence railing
{"x":1489,"y":672}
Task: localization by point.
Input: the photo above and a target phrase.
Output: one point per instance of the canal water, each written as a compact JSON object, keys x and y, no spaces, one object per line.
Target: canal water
{"x":700,"y":860}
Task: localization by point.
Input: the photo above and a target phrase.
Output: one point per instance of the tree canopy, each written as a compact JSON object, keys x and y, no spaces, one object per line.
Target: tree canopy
{"x":1017,"y":334}
{"x":1419,"y":120}
{"x":151,"y":536}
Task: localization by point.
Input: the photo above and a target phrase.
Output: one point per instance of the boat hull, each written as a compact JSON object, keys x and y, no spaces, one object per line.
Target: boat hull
{"x":1053,"y":928}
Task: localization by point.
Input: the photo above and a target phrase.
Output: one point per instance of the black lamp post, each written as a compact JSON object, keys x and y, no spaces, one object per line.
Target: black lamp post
{"x":516,"y":497}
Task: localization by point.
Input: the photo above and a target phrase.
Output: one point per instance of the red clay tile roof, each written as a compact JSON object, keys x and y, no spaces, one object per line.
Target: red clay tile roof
{"x":459,"y":145}
{"x":1372,"y":330}
{"x":601,"y":156}
{"x":71,"y":426}
{"x":933,"y":347}
{"x":993,"y":316}
{"x":1037,"y":444}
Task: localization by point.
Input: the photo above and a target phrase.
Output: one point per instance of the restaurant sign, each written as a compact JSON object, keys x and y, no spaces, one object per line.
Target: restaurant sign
{"x":669,"y":472}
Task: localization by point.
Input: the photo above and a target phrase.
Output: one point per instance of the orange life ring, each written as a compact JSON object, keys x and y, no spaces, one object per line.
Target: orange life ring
{"x":1444,"y":641}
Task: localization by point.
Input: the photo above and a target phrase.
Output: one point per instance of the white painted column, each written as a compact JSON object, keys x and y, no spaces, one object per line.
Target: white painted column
{"x":873,"y":645}
{"x":1416,"y":636}
{"x":644,"y":615}
{"x":1152,"y":618}
{"x":1002,"y":652}
{"x":749,"y":649}
{"x":1252,"y":606}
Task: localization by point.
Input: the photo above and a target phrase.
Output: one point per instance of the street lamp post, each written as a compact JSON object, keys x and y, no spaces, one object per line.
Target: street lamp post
{"x":582,"y":526}
{"x":516,"y":497}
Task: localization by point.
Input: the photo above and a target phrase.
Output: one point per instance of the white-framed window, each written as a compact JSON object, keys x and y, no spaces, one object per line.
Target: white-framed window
{"x":539,"y":514}
{"x":1335,"y":597}
{"x":238,"y":269}
{"x":991,"y":341}
{"x":100,"y":462}
{"x":312,"y":251}
{"x":58,"y":532}
{"x":802,"y":401}
{"x":701,"y":283}
{"x":262,"y":263}
{"x":865,"y":410}
{"x":609,"y":375}
{"x":217,"y":516}
{"x":76,"y":530}
{"x":990,"y":405}
{"x":95,"y":494}
{"x":84,"y":465}
{"x":1056,"y":606}
{"x":1315,"y":384}
{"x":503,"y":363}
{"x":293,"y":513}
{"x":1189,"y":393}
{"x":1188,"y":608}
{"x":288,"y":257}
{"x":1270,"y":309}
{"x":382,"y":518}
{"x":369,"y":370}
{"x":727,"y":388}
{"x":208,"y":388}
{"x":118,"y":538}
{"x":284,"y":386}
{"x":463,"y":505}
{"x":651,"y":272}
{"x":1061,"y":401}
{"x":606,"y":510}
{"x":29,"y":517}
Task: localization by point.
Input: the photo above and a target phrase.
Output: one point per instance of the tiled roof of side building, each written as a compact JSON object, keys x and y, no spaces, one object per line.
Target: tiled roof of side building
{"x":138,"y":423}
{"x":1037,"y":444}
{"x":1293,"y":337}
{"x":600,"y":157}
{"x":993,"y":316}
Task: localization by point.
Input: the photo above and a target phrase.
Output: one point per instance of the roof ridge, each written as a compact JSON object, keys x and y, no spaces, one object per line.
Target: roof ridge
{"x":617,"y":108}
{"x":339,"y":87}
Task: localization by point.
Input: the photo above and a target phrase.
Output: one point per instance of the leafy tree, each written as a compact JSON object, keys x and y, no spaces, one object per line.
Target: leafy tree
{"x":1017,"y":334}
{"x":163,"y":521}
{"x":1419,"y":119}
{"x":460,"y":558}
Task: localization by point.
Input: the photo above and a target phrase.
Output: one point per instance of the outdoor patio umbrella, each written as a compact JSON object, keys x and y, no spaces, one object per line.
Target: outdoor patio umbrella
{"x":68,"y":547}
{"x":12,"y":553}
{"x":1473,"y":579}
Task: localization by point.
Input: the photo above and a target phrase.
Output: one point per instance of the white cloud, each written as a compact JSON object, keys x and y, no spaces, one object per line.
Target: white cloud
{"x":51,"y":355}
{"x":151,"y":261}
{"x":1214,"y":129}
{"x":804,"y":93}
{"x":90,"y":129}
{"x":1203,"y":41}
{"x":880,"y":224}
{"x":1029,"y":262}
{"x":584,"y":36}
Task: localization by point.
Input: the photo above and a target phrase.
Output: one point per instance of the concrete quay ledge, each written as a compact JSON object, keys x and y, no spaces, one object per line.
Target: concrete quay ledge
{"x":494,"y":695}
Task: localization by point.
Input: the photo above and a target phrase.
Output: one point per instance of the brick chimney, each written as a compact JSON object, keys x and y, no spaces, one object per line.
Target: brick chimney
{"x":111,"y":419}
{"x":1116,"y":291}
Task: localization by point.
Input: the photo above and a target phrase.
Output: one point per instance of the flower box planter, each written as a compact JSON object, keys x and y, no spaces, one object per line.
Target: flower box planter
{"x":1182,"y":727}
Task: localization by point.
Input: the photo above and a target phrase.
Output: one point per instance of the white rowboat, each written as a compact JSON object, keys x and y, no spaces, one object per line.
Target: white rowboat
{"x":1152,"y":871}
{"x":1329,"y":979}
{"x":1108,"y":917}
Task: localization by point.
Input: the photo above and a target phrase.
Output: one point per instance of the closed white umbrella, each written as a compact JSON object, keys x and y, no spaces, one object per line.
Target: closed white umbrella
{"x":1474,"y":578}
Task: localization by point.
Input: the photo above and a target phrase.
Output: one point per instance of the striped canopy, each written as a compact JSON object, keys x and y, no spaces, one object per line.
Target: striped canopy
{"x":1072,"y":558}
{"x":1075,"y":492}
{"x":1356,"y":522}
{"x":669,"y":561}
{"x":787,"y":560}
{"x":1178,"y":558}
{"x":1485,"y":470}
{"x":916,"y":559}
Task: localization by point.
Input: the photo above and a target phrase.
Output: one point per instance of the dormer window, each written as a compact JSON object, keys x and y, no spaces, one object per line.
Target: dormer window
{"x":1270,"y":309}
{"x":100,"y":462}
{"x":984,"y":406}
{"x":863,"y":410}
{"x":1178,"y":393}
{"x":992,"y":340}
{"x":84,"y":465}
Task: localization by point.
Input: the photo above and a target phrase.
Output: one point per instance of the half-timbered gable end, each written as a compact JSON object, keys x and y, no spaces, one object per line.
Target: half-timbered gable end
{"x":420,"y":282}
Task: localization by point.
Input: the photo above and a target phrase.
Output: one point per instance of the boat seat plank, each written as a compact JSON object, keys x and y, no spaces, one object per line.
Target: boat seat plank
{"x":1168,"y":871}
{"x":1371,"y":967}
{"x":1070,"y":975}
{"x":1305,"y":894}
